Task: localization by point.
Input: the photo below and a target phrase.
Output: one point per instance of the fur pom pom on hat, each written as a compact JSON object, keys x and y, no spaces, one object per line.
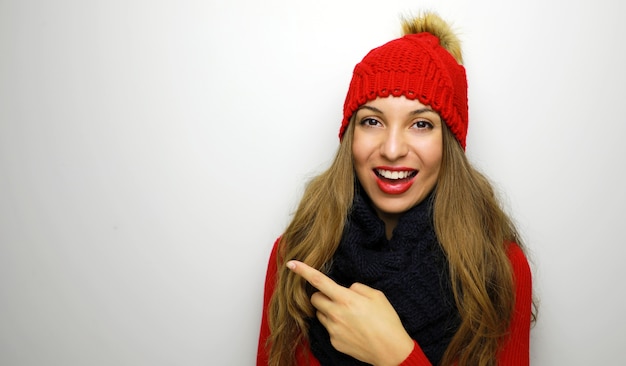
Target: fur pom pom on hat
{"x":425,"y":64}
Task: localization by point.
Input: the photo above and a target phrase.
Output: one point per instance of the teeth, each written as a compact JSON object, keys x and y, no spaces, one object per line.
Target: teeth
{"x":393,"y":174}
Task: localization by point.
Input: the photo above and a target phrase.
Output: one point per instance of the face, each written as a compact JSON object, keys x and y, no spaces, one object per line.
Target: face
{"x":397,"y":151}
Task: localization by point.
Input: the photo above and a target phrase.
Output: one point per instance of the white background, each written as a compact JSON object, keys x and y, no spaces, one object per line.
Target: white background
{"x":151,"y":152}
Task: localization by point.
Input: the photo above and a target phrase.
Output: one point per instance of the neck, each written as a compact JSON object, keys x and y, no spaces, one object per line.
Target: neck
{"x":390,"y":220}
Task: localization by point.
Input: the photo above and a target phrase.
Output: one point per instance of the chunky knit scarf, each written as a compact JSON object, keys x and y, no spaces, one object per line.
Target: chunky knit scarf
{"x":410,"y":269}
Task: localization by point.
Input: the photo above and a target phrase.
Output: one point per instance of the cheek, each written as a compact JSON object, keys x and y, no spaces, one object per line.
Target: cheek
{"x":360,"y":153}
{"x":361,"y":167}
{"x":432,"y":156}
{"x":434,"y":159}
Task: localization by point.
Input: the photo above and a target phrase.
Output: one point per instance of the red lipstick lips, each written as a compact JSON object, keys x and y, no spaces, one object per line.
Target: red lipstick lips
{"x":394,"y":180}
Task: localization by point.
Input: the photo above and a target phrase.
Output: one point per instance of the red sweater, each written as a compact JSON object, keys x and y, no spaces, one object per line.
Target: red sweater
{"x":514,"y":352}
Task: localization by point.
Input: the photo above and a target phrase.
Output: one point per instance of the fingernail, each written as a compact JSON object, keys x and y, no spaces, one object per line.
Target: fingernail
{"x":291,"y":265}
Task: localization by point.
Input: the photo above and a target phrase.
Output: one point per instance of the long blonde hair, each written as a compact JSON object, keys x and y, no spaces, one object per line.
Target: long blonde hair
{"x":312,"y":236}
{"x":470,"y":226}
{"x":474,"y":232}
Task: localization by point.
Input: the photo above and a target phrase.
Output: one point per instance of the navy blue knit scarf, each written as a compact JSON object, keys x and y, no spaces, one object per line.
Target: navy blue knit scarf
{"x":410,"y":269}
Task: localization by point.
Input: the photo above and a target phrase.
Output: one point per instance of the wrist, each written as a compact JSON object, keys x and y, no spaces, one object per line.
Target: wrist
{"x":395,"y":355}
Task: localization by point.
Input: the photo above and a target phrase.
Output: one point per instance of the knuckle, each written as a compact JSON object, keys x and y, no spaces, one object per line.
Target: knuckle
{"x":335,"y":343}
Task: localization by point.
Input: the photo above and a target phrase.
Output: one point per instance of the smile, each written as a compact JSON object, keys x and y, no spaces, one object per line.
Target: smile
{"x":395,"y":174}
{"x":394,"y":182}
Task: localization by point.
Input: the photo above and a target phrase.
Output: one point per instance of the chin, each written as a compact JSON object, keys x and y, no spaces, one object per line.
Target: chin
{"x":394,"y":208}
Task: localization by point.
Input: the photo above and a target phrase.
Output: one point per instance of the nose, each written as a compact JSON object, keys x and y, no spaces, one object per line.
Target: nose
{"x":394,"y":145}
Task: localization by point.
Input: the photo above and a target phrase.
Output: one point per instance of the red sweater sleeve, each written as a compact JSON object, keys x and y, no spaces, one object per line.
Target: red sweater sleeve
{"x":270,"y":283}
{"x":515,"y":350}
{"x":416,"y":358}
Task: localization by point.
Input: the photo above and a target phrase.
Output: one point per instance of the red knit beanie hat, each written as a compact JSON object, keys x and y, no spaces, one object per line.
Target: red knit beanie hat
{"x":418,"y":67}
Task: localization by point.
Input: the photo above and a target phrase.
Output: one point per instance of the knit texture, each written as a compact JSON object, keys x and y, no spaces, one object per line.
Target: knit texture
{"x":410,"y":269}
{"x":417,"y":67}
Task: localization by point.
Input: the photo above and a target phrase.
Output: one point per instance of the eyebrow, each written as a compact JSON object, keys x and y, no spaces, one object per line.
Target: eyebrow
{"x":376,"y":110}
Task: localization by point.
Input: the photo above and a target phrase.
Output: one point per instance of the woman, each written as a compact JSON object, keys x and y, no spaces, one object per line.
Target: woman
{"x":400,"y":253}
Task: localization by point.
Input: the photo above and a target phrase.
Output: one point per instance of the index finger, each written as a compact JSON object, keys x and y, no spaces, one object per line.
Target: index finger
{"x":316,"y":278}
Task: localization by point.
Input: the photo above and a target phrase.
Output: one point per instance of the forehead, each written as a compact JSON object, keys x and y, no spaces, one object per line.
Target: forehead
{"x":400,"y":102}
{"x":398,"y":106}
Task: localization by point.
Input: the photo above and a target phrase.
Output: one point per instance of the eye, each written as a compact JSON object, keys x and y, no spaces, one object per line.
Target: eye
{"x":370,"y":122}
{"x":422,"y":125}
